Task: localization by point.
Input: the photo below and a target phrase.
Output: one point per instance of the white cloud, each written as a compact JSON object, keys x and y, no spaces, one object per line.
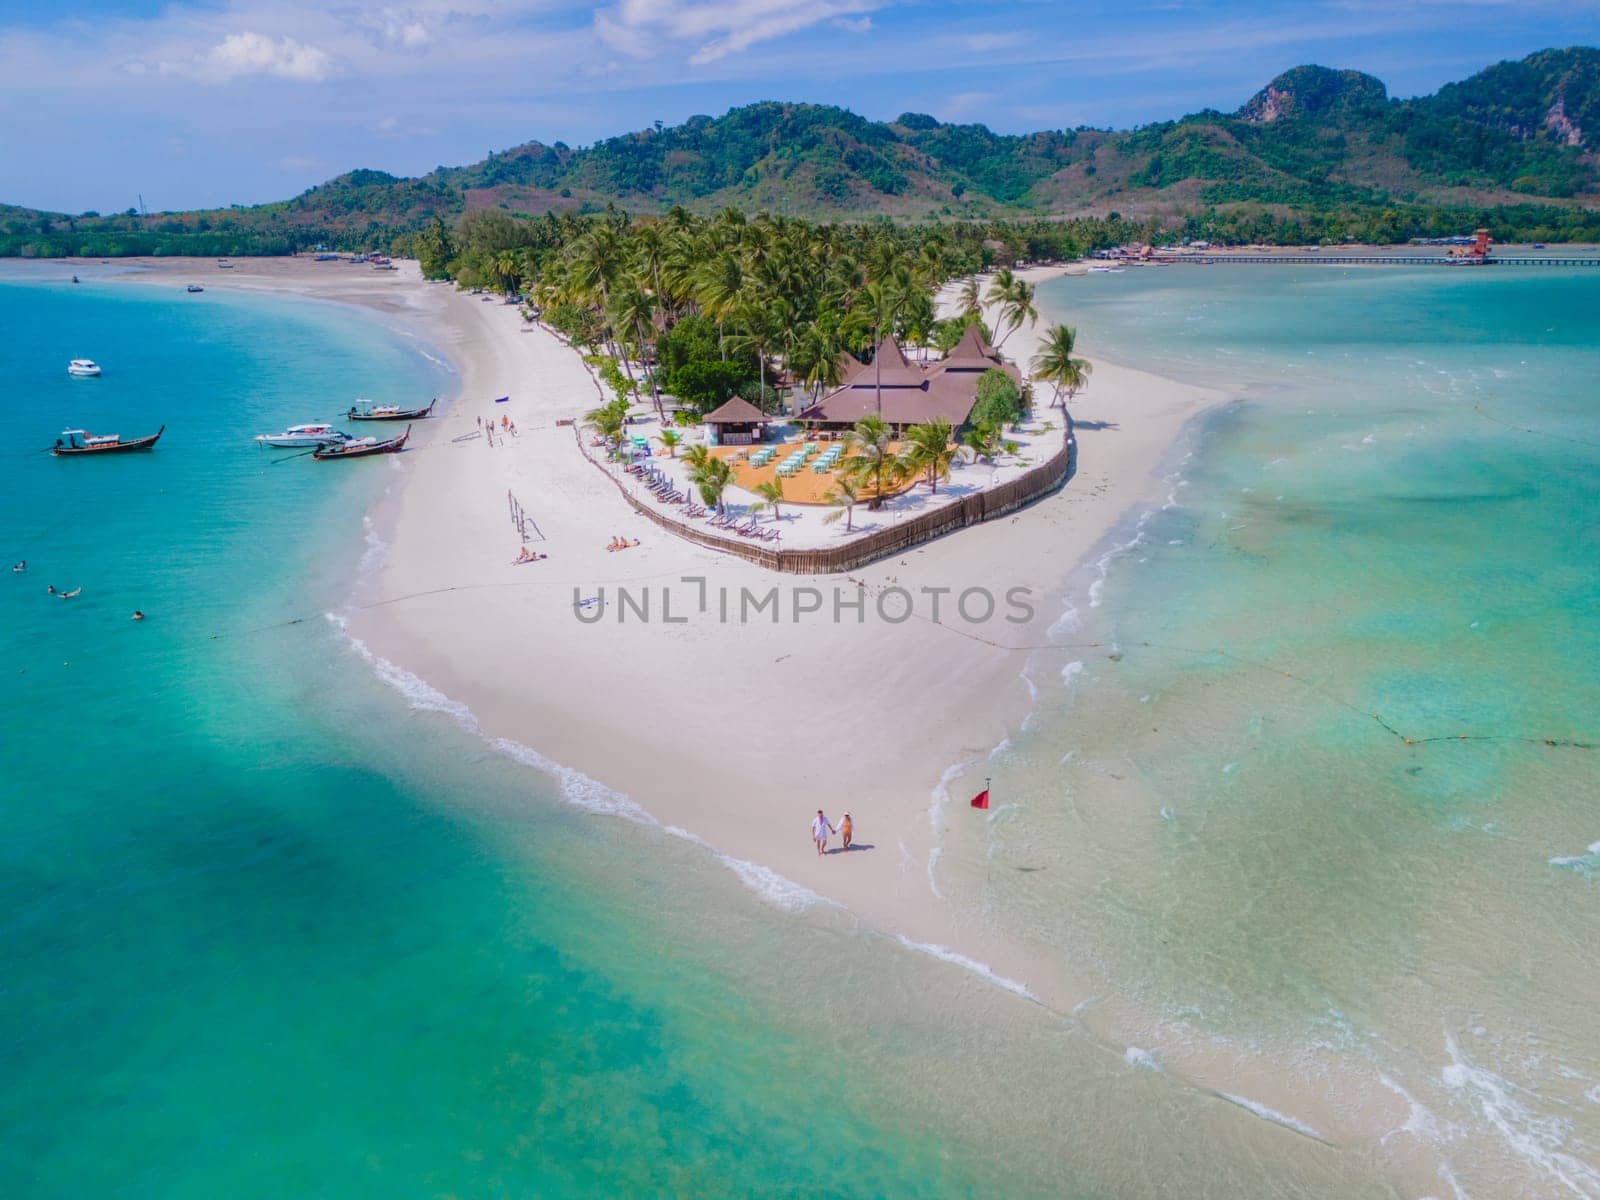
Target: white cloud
{"x":249,"y":53}
{"x":404,"y":29}
{"x":713,"y":30}
{"x":853,"y":25}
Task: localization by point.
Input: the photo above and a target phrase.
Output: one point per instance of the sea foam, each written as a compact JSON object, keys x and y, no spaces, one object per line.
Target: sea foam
{"x":577,"y":789}
{"x":1271,"y":1114}
{"x":1536,"y":1138}
{"x":983,"y":970}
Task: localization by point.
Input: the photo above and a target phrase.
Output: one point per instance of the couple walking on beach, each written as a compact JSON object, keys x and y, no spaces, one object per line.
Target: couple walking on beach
{"x":822,"y":827}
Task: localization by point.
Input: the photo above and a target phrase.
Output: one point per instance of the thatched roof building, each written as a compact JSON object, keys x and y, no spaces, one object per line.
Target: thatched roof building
{"x":907,"y":394}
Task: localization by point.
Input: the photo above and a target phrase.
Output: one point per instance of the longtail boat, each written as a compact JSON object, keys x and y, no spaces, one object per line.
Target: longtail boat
{"x":367,"y":411}
{"x":78,"y":441}
{"x":362,"y":447}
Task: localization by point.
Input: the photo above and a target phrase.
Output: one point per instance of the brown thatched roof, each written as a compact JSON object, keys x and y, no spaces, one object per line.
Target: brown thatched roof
{"x":909,"y":394}
{"x":737,"y":411}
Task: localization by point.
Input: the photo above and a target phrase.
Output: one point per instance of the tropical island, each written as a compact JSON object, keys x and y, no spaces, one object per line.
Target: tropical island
{"x":774,"y":353}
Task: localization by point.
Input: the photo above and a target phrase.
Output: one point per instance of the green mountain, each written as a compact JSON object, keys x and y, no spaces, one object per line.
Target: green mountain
{"x":1516,"y":133}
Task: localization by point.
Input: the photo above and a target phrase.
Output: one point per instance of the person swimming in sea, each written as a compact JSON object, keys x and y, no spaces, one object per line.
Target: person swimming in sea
{"x":20,"y":567}
{"x":138,"y":614}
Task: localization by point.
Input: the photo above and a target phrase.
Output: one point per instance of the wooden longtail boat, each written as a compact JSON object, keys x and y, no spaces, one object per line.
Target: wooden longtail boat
{"x":362,"y":447}
{"x":389,"y":412}
{"x":77,"y":441}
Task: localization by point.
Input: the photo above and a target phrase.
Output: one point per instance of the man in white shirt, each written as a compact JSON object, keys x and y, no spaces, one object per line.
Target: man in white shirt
{"x":820,"y":829}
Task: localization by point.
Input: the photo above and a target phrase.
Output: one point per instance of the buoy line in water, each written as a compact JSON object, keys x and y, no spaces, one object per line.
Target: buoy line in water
{"x":1477,"y":407}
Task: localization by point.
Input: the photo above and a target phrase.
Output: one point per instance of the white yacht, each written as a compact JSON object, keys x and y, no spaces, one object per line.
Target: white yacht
{"x":83,"y":368}
{"x":297,"y":436}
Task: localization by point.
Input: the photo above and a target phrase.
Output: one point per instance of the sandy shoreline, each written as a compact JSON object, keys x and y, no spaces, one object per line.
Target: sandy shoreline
{"x":732,"y":732}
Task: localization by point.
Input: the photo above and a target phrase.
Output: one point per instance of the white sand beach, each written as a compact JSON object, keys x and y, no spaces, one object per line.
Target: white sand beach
{"x":732,"y":732}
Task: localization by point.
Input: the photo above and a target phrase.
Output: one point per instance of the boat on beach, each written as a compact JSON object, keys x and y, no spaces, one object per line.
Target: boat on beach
{"x":83,"y":368}
{"x":362,"y":447}
{"x":366,"y":410}
{"x":317,"y":433}
{"x":80,"y":441}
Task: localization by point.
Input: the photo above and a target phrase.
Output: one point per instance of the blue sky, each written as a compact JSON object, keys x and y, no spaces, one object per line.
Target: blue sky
{"x":241,"y":101}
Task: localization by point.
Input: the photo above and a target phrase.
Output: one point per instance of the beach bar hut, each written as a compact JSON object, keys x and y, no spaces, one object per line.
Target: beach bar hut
{"x":736,"y":423}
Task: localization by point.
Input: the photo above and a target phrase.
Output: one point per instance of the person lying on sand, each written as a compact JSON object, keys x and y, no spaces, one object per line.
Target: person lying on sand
{"x":622,"y":543}
{"x":527,"y":556}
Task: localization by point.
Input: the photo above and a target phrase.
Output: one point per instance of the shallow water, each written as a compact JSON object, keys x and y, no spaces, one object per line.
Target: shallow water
{"x":1313,"y":777}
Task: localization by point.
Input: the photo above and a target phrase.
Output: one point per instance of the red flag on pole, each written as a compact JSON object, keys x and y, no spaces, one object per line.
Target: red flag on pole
{"x":981,"y":800}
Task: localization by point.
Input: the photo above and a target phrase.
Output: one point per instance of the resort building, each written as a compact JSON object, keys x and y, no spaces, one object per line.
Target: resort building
{"x":736,"y":423}
{"x":907,"y":394}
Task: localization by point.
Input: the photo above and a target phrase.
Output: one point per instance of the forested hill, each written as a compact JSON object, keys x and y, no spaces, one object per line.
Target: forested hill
{"x":1518,"y":142}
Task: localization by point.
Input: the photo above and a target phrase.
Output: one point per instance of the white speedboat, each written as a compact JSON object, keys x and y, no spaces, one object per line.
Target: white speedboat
{"x":301,"y":436}
{"x":83,"y":368}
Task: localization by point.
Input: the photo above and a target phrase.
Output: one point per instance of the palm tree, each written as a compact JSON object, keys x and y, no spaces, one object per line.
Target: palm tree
{"x":507,"y":265}
{"x":879,"y":304}
{"x":869,"y":459}
{"x":608,"y":420}
{"x":843,"y":497}
{"x":771,"y":491}
{"x":999,"y":287}
{"x":928,"y":448}
{"x":1055,"y":363}
{"x":718,"y":287}
{"x":670,"y":439}
{"x":631,"y":311}
{"x":696,"y":457}
{"x":983,"y":441}
{"x":1017,"y":307}
{"x":970,"y":298}
{"x":713,"y":479}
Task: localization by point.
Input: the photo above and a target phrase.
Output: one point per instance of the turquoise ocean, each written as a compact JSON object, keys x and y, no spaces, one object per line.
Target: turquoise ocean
{"x":272,"y":922}
{"x":1316,"y":770}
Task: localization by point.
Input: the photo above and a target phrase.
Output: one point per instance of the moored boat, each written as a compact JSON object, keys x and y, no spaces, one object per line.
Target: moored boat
{"x":195,"y":287}
{"x":83,"y":368}
{"x":366,"y":410}
{"x":300,"y":436}
{"x":362,"y":447}
{"x":79,"y":441}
